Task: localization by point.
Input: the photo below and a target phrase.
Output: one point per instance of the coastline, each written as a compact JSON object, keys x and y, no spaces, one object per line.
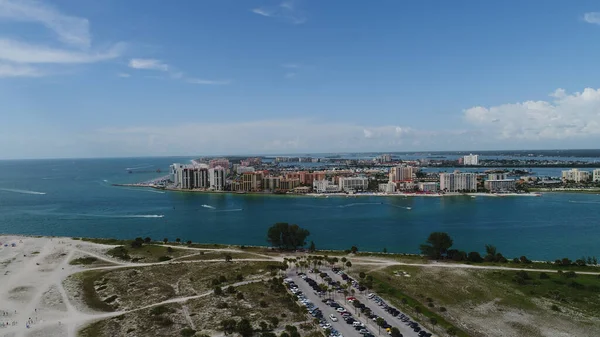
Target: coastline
{"x":354,"y":195}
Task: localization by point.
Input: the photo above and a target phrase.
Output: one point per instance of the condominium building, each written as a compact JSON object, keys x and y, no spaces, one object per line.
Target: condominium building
{"x":596,"y":175}
{"x":575,"y":175}
{"x":252,"y":181}
{"x":497,"y":176}
{"x":325,"y":186}
{"x":387,"y":188}
{"x":458,"y":182}
{"x":401,"y":173}
{"x":348,"y":184}
{"x":471,"y":159}
{"x":216,"y":178}
{"x":271,"y":183}
{"x":500,"y":185}
{"x":288,"y":184}
{"x":428,"y":186}
{"x":189,"y":176}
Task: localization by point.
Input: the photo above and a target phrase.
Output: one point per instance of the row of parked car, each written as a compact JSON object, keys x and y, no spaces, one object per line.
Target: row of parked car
{"x":347,"y":317}
{"x":312,"y":309}
{"x":396,"y":313}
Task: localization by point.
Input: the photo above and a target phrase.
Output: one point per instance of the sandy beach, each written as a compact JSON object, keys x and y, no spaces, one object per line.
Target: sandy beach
{"x":33,"y":301}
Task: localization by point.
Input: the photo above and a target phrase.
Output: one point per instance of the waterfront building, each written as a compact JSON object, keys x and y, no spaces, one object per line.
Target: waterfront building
{"x":458,"y":182}
{"x":471,"y":159}
{"x":288,"y":184}
{"x":252,"y":181}
{"x":497,"y":176}
{"x":575,"y":175}
{"x":384,"y":158}
{"x":401,"y":173}
{"x":387,"y":188}
{"x":596,"y":175}
{"x":271,"y":183}
{"x":348,"y":184}
{"x":428,"y":186}
{"x":216,"y":178}
{"x":189,"y":176}
{"x":500,"y":185}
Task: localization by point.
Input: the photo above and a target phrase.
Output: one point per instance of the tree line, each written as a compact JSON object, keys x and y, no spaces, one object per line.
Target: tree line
{"x":438,"y":247}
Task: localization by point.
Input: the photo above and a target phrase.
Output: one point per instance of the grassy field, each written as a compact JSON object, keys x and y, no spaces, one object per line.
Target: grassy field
{"x":494,"y":303}
{"x":146,"y":253}
{"x":166,"y":320}
{"x":216,"y":255}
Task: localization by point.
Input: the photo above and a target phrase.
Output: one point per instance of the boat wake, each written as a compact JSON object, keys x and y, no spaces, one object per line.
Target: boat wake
{"x":120,"y":216}
{"x":584,"y":202}
{"x":359,"y":204}
{"x":230,"y":210}
{"x":21,"y":191}
{"x":138,"y":167}
{"x":208,"y":206}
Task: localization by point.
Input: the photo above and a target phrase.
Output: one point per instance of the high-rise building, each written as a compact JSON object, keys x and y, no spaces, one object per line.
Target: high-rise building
{"x":401,"y":173}
{"x":216,"y":178}
{"x":348,"y":184}
{"x":428,"y":186}
{"x":458,"y":182}
{"x":387,"y":187}
{"x":252,"y":181}
{"x":575,"y":175}
{"x":471,"y":159}
{"x":223,"y":162}
{"x":189,"y":176}
{"x":596,"y":175}
{"x":497,"y":176}
{"x":271,"y":183}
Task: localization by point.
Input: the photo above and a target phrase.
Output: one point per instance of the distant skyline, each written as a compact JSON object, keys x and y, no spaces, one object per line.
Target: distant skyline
{"x":147,"y":78}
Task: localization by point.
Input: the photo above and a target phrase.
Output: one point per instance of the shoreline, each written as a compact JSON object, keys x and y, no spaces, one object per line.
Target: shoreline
{"x":354,"y":195}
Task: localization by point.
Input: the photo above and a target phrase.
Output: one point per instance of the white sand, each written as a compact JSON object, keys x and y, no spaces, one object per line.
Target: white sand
{"x":31,"y":291}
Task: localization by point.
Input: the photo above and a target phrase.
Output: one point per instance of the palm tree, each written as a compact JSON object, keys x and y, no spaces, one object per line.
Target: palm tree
{"x":433,"y":322}
{"x":165,"y":240}
{"x":348,"y":264}
{"x":178,"y":240}
{"x":379,"y":324}
{"x":418,"y":311}
{"x":490,"y":250}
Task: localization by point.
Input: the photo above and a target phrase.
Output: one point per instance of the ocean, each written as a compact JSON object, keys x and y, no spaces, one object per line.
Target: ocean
{"x":75,"y":198}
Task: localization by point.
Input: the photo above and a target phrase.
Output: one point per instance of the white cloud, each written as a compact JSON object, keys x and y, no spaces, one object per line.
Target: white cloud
{"x":208,"y":82}
{"x":149,"y":64}
{"x":20,"y":52}
{"x":17,"y":70}
{"x":68,"y":29}
{"x":285,"y":11}
{"x":592,"y":17}
{"x":290,"y":75}
{"x":291,"y":65}
{"x":123,"y":75}
{"x":568,"y":116}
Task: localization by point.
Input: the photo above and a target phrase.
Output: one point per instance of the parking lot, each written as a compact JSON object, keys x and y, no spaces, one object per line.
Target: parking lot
{"x":381,"y":309}
{"x":337,"y":312}
{"x":343,"y":329}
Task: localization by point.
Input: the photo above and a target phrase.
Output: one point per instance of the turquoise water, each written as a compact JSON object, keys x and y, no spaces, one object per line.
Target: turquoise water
{"x":75,"y":198}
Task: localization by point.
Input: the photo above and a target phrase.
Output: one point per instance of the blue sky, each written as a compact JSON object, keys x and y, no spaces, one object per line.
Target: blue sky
{"x":135,"y":78}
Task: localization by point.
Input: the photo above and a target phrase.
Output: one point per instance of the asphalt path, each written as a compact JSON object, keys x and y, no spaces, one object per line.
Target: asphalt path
{"x":405,"y":330}
{"x":345,"y":329}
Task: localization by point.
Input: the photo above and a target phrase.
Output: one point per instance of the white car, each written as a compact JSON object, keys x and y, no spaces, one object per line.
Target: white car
{"x":340,"y":310}
{"x":333,"y":318}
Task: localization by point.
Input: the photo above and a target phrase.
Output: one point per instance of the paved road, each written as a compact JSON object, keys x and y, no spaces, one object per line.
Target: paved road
{"x":405,"y":330}
{"x":345,"y":329}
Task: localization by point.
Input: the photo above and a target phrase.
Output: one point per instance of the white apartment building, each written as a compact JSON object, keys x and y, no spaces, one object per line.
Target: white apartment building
{"x":401,"y":173}
{"x":575,"y":175}
{"x":500,"y":185}
{"x":387,"y":188}
{"x":348,"y":184}
{"x":471,"y":159}
{"x":497,"y":176}
{"x":428,"y":186}
{"x":458,"y":182}
{"x":216,"y":178}
{"x":324,"y":186}
{"x":596,"y":175}
{"x":189,"y":176}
